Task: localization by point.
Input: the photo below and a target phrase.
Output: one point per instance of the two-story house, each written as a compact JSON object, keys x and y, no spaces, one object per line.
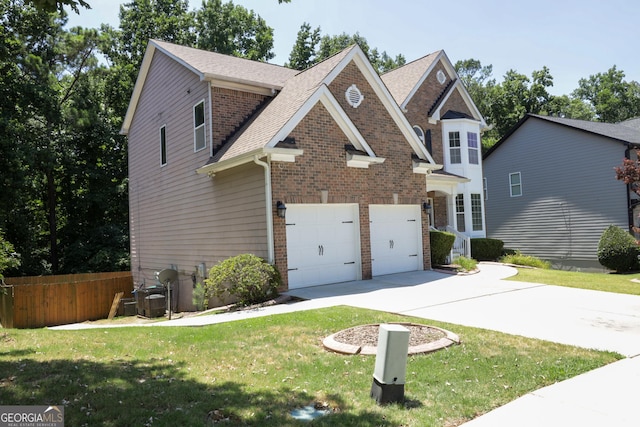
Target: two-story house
{"x":320,"y":172}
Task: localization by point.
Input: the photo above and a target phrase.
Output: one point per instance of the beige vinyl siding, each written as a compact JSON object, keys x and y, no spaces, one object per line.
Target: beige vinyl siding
{"x":179,"y":217}
{"x":569,"y":192}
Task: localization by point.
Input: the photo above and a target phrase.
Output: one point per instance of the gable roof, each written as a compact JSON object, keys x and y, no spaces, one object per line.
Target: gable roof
{"x":403,"y":83}
{"x":625,"y":132}
{"x":301,"y":93}
{"x":225,"y":70}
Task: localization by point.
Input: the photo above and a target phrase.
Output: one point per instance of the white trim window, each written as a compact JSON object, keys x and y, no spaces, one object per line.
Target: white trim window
{"x":163,"y":145}
{"x":460,"y":213}
{"x":515,"y":184}
{"x":476,"y":211}
{"x":199,"y":131}
{"x":455,"y":155}
{"x":472,"y":142}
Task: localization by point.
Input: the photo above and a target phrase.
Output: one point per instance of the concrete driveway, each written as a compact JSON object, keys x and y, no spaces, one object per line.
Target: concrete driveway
{"x":591,"y":319}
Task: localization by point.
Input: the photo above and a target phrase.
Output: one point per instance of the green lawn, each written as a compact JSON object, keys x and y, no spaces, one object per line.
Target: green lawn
{"x":620,"y":283}
{"x":254,"y":372}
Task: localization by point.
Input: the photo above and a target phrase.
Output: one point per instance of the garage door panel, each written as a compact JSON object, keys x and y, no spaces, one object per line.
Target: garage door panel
{"x":323,"y":244}
{"x":396,"y":238}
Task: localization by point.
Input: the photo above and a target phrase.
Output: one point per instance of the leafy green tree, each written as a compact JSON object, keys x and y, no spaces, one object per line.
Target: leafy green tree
{"x":53,"y":117}
{"x":515,"y":96}
{"x":569,"y":107}
{"x":233,"y":30}
{"x":58,"y":5}
{"x":612,"y":98}
{"x":310,"y":49}
{"x":303,"y":54}
{"x":477,"y":79}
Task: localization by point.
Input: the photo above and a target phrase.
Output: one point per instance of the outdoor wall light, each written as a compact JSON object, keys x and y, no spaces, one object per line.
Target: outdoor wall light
{"x":426,"y":207}
{"x":281,"y":209}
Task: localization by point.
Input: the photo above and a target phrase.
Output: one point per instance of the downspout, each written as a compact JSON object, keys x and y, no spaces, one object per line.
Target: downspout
{"x":269,"y":204}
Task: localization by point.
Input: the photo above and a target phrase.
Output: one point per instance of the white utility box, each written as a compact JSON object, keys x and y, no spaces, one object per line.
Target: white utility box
{"x":391,"y":364}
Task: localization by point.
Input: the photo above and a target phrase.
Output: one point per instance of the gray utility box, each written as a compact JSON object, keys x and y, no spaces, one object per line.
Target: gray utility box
{"x":391,"y":364}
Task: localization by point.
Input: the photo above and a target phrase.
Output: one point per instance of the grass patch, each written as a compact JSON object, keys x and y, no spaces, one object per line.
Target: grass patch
{"x":619,"y":283}
{"x":254,"y":372}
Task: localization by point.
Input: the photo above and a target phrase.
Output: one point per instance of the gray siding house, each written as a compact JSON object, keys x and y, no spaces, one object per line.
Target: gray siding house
{"x":551,"y":190}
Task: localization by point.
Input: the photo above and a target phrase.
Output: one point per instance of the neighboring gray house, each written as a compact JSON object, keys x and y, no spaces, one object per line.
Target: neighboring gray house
{"x":551,"y":189}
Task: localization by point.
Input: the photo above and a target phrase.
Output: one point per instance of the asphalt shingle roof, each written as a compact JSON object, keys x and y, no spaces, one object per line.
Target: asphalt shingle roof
{"x":620,"y":131}
{"x":217,"y":65}
{"x":402,"y":80}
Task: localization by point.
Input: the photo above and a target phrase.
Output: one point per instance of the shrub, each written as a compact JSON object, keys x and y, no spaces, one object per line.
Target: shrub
{"x":484,"y":249}
{"x":618,"y":250}
{"x":441,"y":244}
{"x":526,"y":260}
{"x":247,"y":277}
{"x":200,"y":297}
{"x":466,"y":264}
{"x":8,"y":257}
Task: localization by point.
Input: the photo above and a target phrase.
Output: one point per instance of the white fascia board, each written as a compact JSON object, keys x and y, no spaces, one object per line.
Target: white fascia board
{"x":137,"y":88}
{"x":453,"y":180}
{"x":212,"y":168}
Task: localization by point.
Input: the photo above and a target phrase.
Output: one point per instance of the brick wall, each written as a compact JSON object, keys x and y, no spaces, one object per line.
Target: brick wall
{"x":230,"y":108}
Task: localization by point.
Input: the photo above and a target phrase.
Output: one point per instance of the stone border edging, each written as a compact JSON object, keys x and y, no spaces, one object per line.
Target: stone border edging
{"x":449,"y":339}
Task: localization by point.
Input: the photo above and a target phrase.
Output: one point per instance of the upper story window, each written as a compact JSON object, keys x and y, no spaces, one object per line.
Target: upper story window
{"x":460,"y":212}
{"x":515,"y":184}
{"x":472,"y":141}
{"x":163,"y":145}
{"x":199,"y":140}
{"x":454,"y":147}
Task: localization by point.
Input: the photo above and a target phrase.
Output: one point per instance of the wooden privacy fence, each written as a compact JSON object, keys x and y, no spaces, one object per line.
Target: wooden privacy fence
{"x":34,"y":302}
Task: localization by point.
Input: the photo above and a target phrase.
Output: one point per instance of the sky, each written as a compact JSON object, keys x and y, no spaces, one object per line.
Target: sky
{"x":573,"y":38}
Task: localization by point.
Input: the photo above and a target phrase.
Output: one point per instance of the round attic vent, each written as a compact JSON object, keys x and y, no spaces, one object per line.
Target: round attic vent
{"x":354,"y":96}
{"x":441,"y":77}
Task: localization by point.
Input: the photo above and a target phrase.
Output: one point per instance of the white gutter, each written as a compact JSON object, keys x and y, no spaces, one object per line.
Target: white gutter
{"x":269,"y":204}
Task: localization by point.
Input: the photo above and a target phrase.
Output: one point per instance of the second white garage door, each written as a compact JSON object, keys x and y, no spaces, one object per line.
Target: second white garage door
{"x":396,"y":238}
{"x":323,"y":244}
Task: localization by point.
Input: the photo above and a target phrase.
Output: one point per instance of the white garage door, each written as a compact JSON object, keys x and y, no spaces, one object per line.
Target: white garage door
{"x":323,"y":244}
{"x":396,"y":238}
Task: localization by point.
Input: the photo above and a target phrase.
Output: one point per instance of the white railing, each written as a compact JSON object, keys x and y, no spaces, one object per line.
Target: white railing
{"x":461,"y":246}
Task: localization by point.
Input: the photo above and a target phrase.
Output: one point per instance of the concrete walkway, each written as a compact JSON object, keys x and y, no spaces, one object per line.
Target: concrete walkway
{"x":590,"y":319}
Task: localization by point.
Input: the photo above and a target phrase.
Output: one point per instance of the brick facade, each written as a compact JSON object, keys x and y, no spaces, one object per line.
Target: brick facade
{"x":323,"y":166}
